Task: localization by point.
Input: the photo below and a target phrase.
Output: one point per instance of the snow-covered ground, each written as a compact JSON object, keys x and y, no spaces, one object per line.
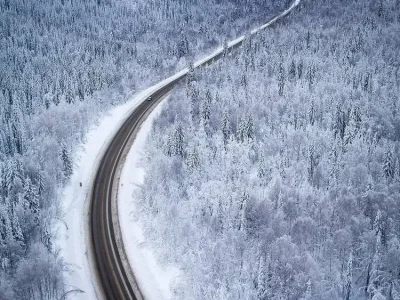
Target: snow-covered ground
{"x":72,"y":233}
{"x":153,"y":279}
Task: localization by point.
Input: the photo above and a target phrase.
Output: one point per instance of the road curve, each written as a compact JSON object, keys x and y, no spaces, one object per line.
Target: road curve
{"x":113,"y":272}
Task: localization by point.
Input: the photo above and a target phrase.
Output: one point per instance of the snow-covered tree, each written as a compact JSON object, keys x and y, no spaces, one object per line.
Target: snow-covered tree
{"x":66,"y":161}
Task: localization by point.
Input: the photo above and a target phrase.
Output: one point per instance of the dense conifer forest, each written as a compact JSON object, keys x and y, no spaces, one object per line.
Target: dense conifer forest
{"x":275,"y":173}
{"x":64,"y":63}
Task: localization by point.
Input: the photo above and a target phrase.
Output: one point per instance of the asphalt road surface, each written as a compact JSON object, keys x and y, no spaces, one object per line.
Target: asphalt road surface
{"x":116,"y":281}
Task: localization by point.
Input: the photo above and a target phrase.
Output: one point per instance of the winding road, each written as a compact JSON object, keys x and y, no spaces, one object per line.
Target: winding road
{"x":114,"y":275}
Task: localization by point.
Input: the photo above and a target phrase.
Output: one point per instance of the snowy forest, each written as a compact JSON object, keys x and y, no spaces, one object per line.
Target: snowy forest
{"x":275,"y":173}
{"x":64,"y":63}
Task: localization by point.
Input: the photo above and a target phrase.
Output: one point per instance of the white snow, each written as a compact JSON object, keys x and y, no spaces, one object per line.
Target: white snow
{"x":153,"y":279}
{"x":254,"y":31}
{"x":72,"y":232}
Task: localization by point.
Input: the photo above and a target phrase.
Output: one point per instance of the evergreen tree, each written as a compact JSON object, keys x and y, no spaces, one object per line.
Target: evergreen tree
{"x":206,"y":109}
{"x":374,"y":287}
{"x":40,"y":183}
{"x":281,"y":78}
{"x":175,"y":143}
{"x":170,"y":145}
{"x":339,"y":125}
{"x":354,"y":126}
{"x":261,"y":279}
{"x":193,"y":160}
{"x":349,"y":278}
{"x":16,"y":228}
{"x":226,"y":126}
{"x":46,"y":238}
{"x":292,"y":71}
{"x":31,"y":197}
{"x":312,"y":113}
{"x":261,"y":172}
{"x":300,"y":69}
{"x":242,"y":211}
{"x":249,"y":127}
{"x":194,"y":103}
{"x":241,"y":130}
{"x":66,"y":162}
{"x":311,"y":75}
{"x":389,"y":165}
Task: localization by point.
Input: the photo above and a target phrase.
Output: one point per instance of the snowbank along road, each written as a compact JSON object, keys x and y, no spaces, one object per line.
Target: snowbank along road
{"x":115,"y":278}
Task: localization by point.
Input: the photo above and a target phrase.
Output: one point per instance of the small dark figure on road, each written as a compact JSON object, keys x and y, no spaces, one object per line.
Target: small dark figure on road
{"x":80,"y":184}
